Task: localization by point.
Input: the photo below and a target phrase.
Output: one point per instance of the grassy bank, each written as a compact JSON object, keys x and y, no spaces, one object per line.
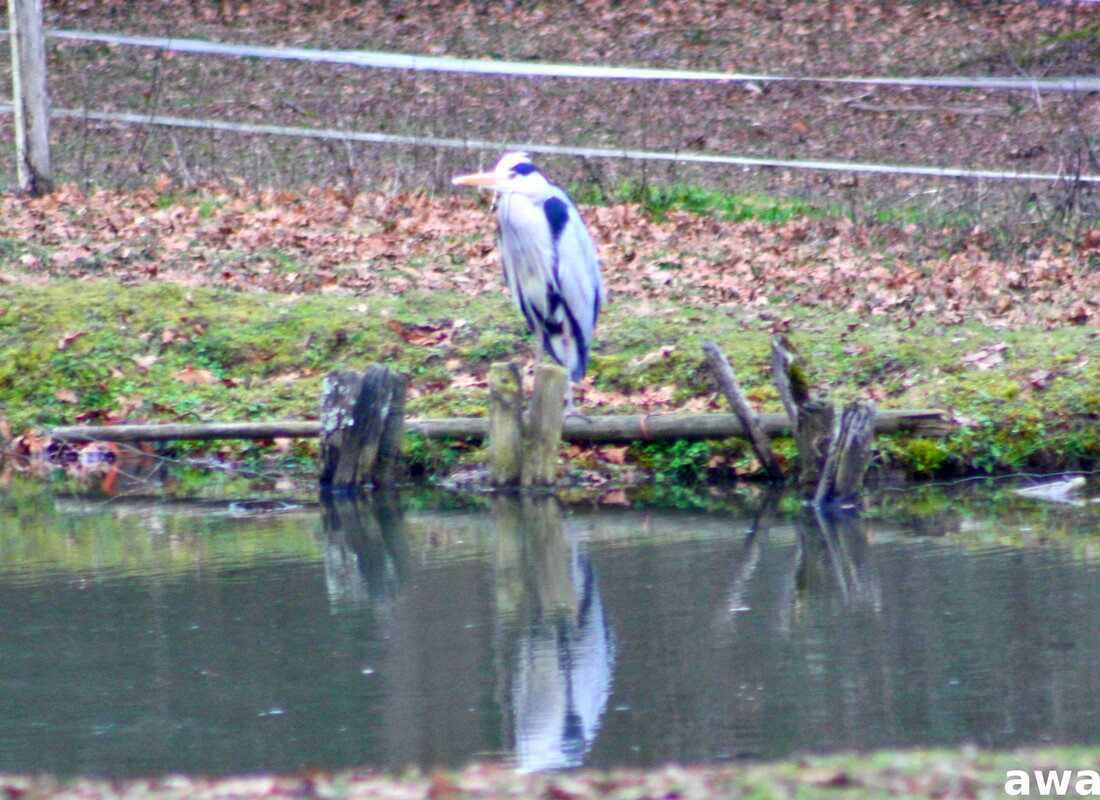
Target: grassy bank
{"x":95,"y":351}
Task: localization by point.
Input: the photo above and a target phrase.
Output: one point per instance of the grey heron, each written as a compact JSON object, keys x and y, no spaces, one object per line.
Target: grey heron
{"x":549,"y":260}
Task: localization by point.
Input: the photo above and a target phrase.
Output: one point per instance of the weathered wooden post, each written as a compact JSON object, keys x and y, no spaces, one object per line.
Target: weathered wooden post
{"x":30,"y":99}
{"x":849,"y":453}
{"x":727,"y":382}
{"x":833,"y":454}
{"x":811,"y":422}
{"x":544,"y":425}
{"x":362,"y":426}
{"x":505,"y":424}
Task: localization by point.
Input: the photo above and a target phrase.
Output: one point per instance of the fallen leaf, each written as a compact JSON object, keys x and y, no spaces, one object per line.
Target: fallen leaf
{"x":66,"y":396}
{"x":418,"y":335}
{"x":469,"y":382}
{"x":144,"y":362}
{"x":191,"y":375}
{"x":615,"y":455}
{"x":616,"y":497}
{"x":69,"y":338}
{"x":1038,"y":379}
{"x":440,"y":786}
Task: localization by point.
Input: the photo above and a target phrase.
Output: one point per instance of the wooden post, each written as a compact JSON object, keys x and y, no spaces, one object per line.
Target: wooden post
{"x":362,"y":426}
{"x":727,"y":382}
{"x":813,"y":433}
{"x":544,"y":426}
{"x":789,"y":370}
{"x":30,"y":99}
{"x":811,"y":422}
{"x":505,"y":424}
{"x":849,"y":454}
{"x":389,"y":467}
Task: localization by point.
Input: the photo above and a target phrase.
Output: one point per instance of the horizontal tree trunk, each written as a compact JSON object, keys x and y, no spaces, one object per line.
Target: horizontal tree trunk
{"x":612,"y":428}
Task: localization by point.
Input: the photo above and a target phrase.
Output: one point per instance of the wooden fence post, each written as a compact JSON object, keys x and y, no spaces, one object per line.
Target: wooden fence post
{"x":30,"y":98}
{"x":544,"y":426}
{"x":505,"y":424}
{"x":362,"y":426}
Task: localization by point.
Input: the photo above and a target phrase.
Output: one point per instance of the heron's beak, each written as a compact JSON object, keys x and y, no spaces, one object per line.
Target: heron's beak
{"x":487,"y":180}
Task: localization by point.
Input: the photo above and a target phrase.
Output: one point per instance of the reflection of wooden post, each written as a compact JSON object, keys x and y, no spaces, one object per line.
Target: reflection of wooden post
{"x":549,"y":557}
{"x":29,"y":96}
{"x":507,"y":553}
{"x":533,"y":559}
{"x":540,"y":457}
{"x":362,"y":423}
{"x":366,"y":553}
{"x":505,"y":424}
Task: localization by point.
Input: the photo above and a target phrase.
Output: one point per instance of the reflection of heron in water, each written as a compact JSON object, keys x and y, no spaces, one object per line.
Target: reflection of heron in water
{"x":561,"y":676}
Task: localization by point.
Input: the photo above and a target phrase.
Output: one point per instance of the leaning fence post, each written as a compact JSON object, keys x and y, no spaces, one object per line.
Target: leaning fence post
{"x":505,"y":424}
{"x":362,"y":424}
{"x":727,"y":382}
{"x":544,"y":425}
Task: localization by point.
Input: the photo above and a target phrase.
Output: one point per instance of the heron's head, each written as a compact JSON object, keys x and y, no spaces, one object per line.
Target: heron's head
{"x":514,"y":172}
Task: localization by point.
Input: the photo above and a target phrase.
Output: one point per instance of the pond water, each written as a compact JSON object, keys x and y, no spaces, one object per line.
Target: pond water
{"x":142,"y":637}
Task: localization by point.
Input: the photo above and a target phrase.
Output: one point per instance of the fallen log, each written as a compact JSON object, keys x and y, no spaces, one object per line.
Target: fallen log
{"x":607,"y":429}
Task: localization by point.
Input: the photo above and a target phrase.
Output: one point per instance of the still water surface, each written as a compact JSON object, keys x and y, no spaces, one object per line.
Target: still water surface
{"x":142,"y":638}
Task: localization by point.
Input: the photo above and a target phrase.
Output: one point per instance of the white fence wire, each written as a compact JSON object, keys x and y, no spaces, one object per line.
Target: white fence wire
{"x":397,"y":61}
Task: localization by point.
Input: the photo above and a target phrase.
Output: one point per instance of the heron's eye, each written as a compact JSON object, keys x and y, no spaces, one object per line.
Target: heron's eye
{"x":523,"y":169}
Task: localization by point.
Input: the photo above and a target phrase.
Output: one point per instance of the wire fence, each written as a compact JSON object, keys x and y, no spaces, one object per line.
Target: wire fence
{"x":130,"y":109}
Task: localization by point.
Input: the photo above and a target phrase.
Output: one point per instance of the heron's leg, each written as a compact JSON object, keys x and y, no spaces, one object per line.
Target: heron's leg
{"x":539,"y":348}
{"x":570,"y":409}
{"x":535,"y":383}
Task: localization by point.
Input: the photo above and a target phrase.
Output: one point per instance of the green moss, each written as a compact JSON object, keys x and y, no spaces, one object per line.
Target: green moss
{"x":678,"y":462}
{"x":923,"y":457}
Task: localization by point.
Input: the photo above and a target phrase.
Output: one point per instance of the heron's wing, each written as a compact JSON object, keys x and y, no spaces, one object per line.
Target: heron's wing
{"x":578,"y":271}
{"x":527,"y":256}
